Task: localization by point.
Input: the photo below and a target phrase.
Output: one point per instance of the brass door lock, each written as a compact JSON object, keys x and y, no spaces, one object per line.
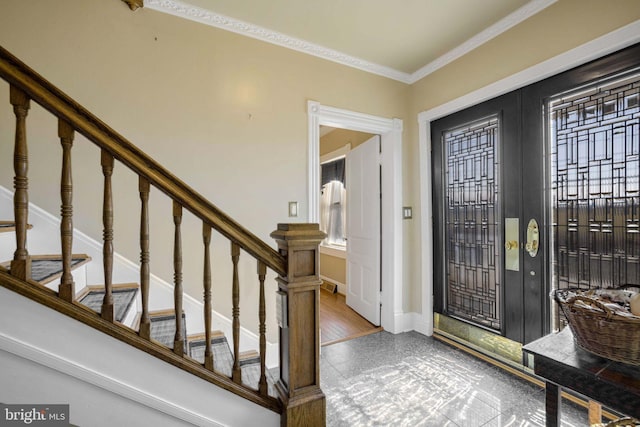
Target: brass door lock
{"x":533,"y":238}
{"x":511,"y":244}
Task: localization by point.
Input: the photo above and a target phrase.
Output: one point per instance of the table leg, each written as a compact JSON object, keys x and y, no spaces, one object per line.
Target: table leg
{"x":552,"y":405}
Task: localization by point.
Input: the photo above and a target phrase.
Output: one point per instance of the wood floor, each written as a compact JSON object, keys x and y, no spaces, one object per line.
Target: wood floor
{"x":338,"y":322}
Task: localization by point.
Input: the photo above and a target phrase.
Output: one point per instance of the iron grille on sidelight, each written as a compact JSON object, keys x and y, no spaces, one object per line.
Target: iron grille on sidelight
{"x":595,"y":198}
{"x":473,"y":222}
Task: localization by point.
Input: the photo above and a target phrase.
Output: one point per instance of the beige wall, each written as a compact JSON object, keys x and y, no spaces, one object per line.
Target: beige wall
{"x":557,"y":29}
{"x":225,"y":113}
{"x":338,"y":138}
{"x":334,"y":268}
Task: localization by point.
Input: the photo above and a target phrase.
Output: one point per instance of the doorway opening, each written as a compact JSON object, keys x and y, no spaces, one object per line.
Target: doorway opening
{"x":342,"y":315}
{"x":392,"y":317}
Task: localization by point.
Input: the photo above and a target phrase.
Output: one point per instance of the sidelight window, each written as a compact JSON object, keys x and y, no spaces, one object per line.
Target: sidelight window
{"x":594,"y":136}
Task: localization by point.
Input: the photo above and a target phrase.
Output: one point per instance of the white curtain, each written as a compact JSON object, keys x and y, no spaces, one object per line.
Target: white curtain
{"x":333,"y":212}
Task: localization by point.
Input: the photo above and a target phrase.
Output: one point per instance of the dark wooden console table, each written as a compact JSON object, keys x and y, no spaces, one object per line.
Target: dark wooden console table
{"x":562,"y":364}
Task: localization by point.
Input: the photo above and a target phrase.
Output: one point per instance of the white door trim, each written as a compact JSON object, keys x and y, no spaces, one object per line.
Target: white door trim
{"x":390,"y":131}
{"x":615,"y":40}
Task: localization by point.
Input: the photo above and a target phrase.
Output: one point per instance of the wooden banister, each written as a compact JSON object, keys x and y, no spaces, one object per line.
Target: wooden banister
{"x":236,"y":373}
{"x":106,"y":161}
{"x":81,"y":313}
{"x":299,"y":293}
{"x":296,"y":262}
{"x":178,"y":341}
{"x":145,"y":273}
{"x":262,"y":317}
{"x":61,"y":105}
{"x":206,"y":239}
{"x":21,"y":264}
{"x":67,"y":287}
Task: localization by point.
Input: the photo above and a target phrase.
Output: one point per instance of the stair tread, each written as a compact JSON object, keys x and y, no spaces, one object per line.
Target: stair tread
{"x":123,"y":298}
{"x":46,"y":268}
{"x":8,"y":226}
{"x":163,"y":327}
{"x":223,"y":361}
{"x":201,"y":337}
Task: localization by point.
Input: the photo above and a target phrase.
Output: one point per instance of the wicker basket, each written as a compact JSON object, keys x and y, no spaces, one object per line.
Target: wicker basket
{"x":620,"y":422}
{"x":600,"y":331}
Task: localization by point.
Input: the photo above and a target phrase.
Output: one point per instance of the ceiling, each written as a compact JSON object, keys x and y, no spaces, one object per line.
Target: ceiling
{"x":400,"y":39}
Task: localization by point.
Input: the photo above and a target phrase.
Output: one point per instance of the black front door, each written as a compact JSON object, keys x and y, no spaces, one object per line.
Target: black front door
{"x":480,"y":211}
{"x":536,"y":190}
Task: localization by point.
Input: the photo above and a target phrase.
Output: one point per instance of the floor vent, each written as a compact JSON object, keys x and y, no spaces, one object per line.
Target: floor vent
{"x":329,"y":287}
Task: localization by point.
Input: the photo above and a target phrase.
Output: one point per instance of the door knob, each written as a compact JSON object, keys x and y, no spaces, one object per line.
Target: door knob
{"x":511,"y":244}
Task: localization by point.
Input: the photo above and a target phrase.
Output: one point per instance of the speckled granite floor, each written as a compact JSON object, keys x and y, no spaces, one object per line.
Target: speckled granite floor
{"x":413,"y":380}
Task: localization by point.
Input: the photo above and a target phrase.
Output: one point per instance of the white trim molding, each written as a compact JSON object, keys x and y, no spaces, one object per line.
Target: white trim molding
{"x":609,"y":43}
{"x":511,"y":20}
{"x":208,"y":17}
{"x":390,"y":131}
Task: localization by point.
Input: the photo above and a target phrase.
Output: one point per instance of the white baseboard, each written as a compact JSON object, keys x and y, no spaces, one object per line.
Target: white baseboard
{"x":412,"y":321}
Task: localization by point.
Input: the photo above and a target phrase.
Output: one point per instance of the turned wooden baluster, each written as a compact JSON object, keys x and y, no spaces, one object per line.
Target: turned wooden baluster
{"x":208,"y":354}
{"x":66,"y":289}
{"x":145,"y":322}
{"x":106,"y":160}
{"x":235,"y":256}
{"x":178,"y":342}
{"x":21,"y":263}
{"x":262,"y":385}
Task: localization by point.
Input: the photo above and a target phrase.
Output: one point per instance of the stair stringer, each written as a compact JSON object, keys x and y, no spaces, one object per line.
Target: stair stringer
{"x":55,"y":359}
{"x":124,"y":271}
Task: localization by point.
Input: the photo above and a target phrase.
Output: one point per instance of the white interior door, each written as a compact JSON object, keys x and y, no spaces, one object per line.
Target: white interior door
{"x":363,"y":229}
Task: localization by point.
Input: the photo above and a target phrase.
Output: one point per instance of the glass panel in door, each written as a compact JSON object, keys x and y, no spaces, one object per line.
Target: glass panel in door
{"x":472,"y":222}
{"x":594,"y":157}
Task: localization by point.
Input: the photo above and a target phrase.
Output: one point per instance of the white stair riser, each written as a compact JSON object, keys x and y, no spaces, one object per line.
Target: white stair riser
{"x":79,"y":279}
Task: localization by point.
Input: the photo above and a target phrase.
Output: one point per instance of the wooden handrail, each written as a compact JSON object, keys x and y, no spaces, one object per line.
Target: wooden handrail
{"x":301,"y":401}
{"x":61,"y":105}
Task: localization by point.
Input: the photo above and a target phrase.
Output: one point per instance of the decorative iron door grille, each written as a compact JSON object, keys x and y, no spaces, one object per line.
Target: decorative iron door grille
{"x":472,"y":222}
{"x":594,"y":157}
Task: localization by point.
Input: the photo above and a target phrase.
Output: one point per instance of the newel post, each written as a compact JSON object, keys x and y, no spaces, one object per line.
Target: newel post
{"x":299,"y":324}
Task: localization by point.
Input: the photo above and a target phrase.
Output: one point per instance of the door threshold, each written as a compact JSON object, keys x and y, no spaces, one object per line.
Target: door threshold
{"x":350,"y":337}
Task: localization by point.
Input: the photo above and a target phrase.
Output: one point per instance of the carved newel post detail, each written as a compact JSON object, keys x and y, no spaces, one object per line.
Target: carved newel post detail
{"x":299,"y":325}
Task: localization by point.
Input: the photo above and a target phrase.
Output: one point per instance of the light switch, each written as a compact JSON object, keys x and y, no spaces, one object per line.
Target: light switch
{"x":293,"y":209}
{"x":407,"y":212}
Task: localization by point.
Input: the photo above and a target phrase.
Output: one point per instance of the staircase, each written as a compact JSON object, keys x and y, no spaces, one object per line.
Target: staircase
{"x":123,"y":310}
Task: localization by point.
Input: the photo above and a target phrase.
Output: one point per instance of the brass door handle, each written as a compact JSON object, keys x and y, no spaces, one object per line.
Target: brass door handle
{"x":533,"y":238}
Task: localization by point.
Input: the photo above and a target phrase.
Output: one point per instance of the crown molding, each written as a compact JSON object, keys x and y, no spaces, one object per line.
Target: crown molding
{"x":509,"y":21}
{"x":204,"y":16}
{"x":207,"y":17}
